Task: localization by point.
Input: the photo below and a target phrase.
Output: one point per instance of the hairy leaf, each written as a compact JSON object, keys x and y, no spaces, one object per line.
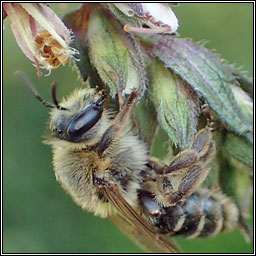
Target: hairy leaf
{"x":207,"y":75}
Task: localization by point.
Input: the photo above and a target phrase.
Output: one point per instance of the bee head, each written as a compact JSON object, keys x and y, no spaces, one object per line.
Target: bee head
{"x":79,"y":118}
{"x":76,"y":119}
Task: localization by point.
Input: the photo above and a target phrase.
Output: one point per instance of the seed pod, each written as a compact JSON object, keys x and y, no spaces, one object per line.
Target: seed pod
{"x":207,"y":75}
{"x":116,"y":55}
{"x":176,"y":104}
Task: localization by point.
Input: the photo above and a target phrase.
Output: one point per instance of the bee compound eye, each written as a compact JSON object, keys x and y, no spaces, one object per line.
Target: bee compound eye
{"x":85,"y":121}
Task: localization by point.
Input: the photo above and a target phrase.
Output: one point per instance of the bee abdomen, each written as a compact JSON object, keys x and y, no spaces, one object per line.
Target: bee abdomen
{"x":202,"y":214}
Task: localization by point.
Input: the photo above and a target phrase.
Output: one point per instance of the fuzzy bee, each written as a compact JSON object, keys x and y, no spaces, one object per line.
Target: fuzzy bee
{"x":107,"y":170}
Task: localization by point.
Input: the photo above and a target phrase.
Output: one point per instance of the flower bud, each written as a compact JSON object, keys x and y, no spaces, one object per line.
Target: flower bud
{"x":240,"y":148}
{"x":116,"y":56}
{"x":235,"y":158}
{"x":176,"y":104}
{"x":146,"y":120}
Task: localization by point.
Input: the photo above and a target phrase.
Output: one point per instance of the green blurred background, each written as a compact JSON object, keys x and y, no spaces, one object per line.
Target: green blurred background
{"x":38,"y":216}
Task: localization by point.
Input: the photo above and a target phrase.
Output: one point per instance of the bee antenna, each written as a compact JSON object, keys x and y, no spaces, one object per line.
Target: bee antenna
{"x":54,"y":98}
{"x":33,"y":90}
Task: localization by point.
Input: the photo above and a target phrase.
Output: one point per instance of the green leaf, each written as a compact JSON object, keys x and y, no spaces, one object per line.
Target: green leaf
{"x":207,"y":75}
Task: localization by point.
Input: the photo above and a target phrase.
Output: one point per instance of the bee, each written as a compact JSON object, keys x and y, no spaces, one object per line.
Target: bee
{"x":108,"y":171}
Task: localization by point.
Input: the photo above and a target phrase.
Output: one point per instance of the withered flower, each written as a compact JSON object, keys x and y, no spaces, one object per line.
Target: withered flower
{"x":40,"y":34}
{"x":147,"y":18}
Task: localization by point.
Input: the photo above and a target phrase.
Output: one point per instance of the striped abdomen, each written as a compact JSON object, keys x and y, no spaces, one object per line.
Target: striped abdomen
{"x":202,"y":214}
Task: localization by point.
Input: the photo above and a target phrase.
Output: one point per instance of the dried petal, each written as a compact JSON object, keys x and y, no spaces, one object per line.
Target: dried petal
{"x":20,"y":26}
{"x":176,"y":104}
{"x":160,"y":15}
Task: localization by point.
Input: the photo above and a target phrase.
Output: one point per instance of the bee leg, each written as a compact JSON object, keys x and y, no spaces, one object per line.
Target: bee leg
{"x":112,"y":132}
{"x":207,"y":114}
{"x":177,"y":187}
{"x":156,"y":165}
{"x":186,"y":172}
{"x":204,"y":145}
{"x":212,"y":124}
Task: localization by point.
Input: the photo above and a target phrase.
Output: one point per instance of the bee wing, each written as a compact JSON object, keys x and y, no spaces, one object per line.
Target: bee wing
{"x":135,"y":226}
{"x":137,"y":235}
